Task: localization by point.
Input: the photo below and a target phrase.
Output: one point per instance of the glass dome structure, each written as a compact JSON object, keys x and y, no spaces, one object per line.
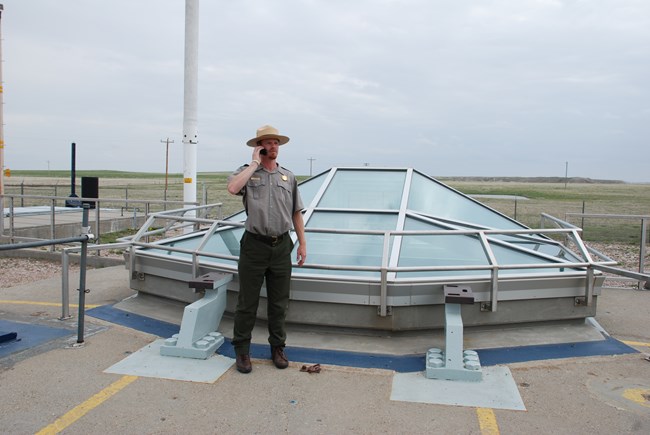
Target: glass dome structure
{"x":382,"y":244}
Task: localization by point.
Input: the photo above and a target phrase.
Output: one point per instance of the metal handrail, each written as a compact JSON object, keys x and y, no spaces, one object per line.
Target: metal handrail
{"x":83,"y":239}
{"x":493,"y":267}
{"x":65,"y":254}
{"x":482,"y":234}
{"x":640,"y":277}
{"x":98,"y":201}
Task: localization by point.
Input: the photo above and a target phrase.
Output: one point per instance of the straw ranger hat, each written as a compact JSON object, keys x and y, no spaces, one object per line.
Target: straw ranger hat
{"x":267,"y":132}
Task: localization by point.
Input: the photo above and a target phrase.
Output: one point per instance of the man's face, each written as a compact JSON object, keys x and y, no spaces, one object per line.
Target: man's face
{"x":271,"y":146}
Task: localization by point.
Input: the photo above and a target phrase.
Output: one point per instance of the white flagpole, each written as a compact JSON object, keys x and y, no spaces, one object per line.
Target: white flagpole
{"x":190,"y":134}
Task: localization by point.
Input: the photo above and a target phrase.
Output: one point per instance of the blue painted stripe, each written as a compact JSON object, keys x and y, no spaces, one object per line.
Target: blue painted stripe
{"x":398,"y":363}
{"x":28,"y":336}
{"x":507,"y":355}
{"x":134,"y":321}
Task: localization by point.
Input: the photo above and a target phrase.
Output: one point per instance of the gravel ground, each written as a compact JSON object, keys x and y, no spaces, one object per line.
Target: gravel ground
{"x":17,"y":271}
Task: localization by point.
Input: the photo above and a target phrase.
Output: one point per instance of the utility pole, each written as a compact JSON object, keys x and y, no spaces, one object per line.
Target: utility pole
{"x":566,"y":173}
{"x":166,"y":142}
{"x":311,"y":160}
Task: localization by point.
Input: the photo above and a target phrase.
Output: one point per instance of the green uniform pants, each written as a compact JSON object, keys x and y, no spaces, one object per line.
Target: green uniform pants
{"x":259,"y":260}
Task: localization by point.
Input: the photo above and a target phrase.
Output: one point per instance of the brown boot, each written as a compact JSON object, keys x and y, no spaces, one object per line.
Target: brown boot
{"x":244,"y":363}
{"x":279,"y":358}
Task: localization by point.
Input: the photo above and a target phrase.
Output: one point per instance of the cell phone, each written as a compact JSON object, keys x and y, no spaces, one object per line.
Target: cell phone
{"x":263,"y":151}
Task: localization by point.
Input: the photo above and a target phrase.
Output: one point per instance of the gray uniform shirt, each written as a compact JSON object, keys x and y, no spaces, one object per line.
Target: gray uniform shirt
{"x":270,"y":199}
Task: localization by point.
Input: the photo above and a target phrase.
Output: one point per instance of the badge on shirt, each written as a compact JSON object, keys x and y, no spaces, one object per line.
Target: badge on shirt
{"x":285,"y":178}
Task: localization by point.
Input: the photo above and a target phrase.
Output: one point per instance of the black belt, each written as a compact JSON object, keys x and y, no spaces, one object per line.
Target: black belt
{"x":269,"y":240}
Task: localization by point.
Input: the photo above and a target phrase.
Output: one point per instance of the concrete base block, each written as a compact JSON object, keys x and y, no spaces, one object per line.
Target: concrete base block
{"x":201,"y":349}
{"x":437,"y":367}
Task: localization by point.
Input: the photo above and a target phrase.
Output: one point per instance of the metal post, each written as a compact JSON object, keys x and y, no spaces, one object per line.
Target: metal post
{"x":2,"y":136}
{"x":65,"y":285}
{"x":97,"y":225}
{"x":642,"y":249}
{"x":167,"y":142}
{"x":311,"y":161}
{"x":12,"y":222}
{"x":589,"y":287}
{"x":383,"y":291}
{"x":82,"y":275}
{"x":190,"y":101}
{"x":52,"y":223}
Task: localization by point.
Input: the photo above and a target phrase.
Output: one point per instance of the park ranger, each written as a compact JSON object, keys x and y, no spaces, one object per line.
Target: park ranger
{"x":274,"y":207}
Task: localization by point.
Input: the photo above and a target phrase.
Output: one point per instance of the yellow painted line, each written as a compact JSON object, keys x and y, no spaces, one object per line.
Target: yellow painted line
{"x":81,"y":410}
{"x":45,"y":304}
{"x":636,"y":343}
{"x":487,"y":421}
{"x":638,"y":396}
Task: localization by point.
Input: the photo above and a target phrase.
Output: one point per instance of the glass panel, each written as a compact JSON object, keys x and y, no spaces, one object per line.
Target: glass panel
{"x":440,"y":250}
{"x":223,"y":242}
{"x":504,"y":255}
{"x":365,"y":189}
{"x":548,"y":249}
{"x":310,"y":187}
{"x":353,"y":221}
{"x":427,"y":196}
{"x":457,"y":250}
{"x":346,"y":249}
{"x":343,"y":249}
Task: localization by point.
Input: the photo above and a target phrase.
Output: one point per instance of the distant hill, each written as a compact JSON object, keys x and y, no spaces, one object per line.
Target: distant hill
{"x":572,"y":180}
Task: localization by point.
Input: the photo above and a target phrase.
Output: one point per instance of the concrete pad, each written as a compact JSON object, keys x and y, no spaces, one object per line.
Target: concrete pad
{"x":148,"y":362}
{"x":497,"y":390}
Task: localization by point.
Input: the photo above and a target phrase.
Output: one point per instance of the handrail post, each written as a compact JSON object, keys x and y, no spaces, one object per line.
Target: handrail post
{"x":383,"y":292}
{"x":642,"y":249}
{"x":52,"y":223}
{"x":12,"y":213}
{"x":2,"y":221}
{"x":589,"y":287}
{"x":494,"y":273}
{"x":82,"y":275}
{"x":65,"y":285}
{"x":97,"y":224}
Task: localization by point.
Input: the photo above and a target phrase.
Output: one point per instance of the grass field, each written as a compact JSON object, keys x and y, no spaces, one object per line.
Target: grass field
{"x":555,"y":198}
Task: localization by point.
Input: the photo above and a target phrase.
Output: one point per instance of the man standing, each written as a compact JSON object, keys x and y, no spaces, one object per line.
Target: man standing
{"x":273,"y":205}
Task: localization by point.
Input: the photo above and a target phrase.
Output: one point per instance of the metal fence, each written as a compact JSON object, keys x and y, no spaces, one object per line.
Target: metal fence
{"x":134,"y":208}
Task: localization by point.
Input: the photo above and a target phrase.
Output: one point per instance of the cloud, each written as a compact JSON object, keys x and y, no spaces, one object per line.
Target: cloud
{"x":489,"y":88}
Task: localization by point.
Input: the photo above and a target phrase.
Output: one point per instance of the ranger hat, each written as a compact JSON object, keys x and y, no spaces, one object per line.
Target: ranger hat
{"x":267,"y":132}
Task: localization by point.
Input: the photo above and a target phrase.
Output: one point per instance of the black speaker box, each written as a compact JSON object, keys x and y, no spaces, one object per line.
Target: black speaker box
{"x":89,"y":189}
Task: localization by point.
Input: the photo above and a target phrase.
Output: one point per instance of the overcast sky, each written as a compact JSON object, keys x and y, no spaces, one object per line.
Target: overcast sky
{"x":451,"y":88}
